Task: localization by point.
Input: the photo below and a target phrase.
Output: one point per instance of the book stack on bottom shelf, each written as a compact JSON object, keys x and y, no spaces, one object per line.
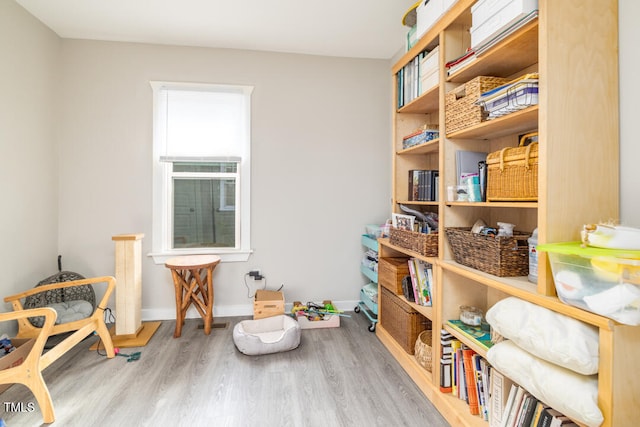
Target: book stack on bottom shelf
{"x":470,"y":379}
{"x":489,"y":394}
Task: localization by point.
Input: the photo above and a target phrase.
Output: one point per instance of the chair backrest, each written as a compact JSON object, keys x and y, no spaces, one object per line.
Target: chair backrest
{"x":74,"y":293}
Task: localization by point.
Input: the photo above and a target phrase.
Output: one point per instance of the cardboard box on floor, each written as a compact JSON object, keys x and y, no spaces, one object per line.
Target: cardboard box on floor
{"x":16,"y":357}
{"x":328,"y":321}
{"x":268,"y":304}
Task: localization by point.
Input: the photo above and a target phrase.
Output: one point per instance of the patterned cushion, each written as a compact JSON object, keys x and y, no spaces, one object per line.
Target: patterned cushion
{"x":75,"y":293}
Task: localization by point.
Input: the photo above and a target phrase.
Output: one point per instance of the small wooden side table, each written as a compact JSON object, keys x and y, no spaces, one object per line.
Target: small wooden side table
{"x":193,"y":281}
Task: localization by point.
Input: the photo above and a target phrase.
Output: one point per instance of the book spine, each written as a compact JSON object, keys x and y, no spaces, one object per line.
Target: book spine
{"x":515,"y":408}
{"x":455,"y":348}
{"x":472,"y":392}
{"x":429,"y":284}
{"x":414,"y":284}
{"x":507,"y":407}
{"x":445,"y":361}
{"x":480,"y":385}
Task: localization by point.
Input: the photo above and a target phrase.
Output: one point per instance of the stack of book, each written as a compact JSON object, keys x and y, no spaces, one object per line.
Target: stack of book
{"x":420,"y":136}
{"x":421,"y":273}
{"x":521,"y":409}
{"x":421,"y":70}
{"x":423,"y":185}
{"x":470,"y":379}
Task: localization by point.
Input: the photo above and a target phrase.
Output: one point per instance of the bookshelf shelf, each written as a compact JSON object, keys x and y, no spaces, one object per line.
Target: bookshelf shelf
{"x":425,"y":103}
{"x":515,"y":205}
{"x":514,"y":53}
{"x":576,"y":136}
{"x":427,"y":147}
{"x":518,"y":122}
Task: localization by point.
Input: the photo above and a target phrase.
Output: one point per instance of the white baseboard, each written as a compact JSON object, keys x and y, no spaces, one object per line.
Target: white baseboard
{"x":225,"y":311}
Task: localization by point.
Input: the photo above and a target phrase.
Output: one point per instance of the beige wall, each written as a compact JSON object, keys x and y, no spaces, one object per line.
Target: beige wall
{"x":320,"y":132}
{"x":29,"y":55}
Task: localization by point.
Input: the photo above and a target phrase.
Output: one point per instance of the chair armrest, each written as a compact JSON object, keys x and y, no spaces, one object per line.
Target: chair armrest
{"x":49,"y":320}
{"x":109,"y":280}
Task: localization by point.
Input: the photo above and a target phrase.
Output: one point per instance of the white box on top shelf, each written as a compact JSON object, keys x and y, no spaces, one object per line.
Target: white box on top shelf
{"x":428,"y":13}
{"x":489,"y":17}
{"x":429,"y":70}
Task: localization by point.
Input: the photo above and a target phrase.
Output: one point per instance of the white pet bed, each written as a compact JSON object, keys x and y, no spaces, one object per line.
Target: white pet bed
{"x":266,"y":336}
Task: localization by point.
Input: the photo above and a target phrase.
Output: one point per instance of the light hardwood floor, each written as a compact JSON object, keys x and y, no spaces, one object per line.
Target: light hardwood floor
{"x":337,"y":377}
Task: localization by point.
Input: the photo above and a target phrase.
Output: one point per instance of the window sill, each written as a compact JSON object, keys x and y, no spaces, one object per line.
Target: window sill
{"x":162,"y":257}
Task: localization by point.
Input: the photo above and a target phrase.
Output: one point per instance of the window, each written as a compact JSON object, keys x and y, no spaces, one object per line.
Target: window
{"x":201,"y":167}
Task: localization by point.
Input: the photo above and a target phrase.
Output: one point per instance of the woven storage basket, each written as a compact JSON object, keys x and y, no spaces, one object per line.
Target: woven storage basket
{"x":401,"y":321}
{"x":391,"y":271}
{"x":460,"y":109}
{"x":423,"y":349}
{"x":424,"y":244}
{"x":500,"y":256}
{"x":512,"y":174}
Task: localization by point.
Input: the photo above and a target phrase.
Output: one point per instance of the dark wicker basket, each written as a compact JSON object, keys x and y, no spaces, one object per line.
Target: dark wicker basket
{"x":500,"y":256}
{"x":402,"y":322}
{"x":424,"y":244}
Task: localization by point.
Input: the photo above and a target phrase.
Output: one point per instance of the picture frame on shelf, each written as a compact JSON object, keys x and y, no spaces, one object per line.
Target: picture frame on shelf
{"x":403,"y":222}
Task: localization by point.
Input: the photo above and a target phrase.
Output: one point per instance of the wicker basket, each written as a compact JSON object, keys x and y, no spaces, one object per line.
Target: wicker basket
{"x":500,"y":256}
{"x":424,"y":244}
{"x":512,"y":174}
{"x":460,"y":106}
{"x":423,"y":349}
{"x":400,"y":320}
{"x":391,"y":271}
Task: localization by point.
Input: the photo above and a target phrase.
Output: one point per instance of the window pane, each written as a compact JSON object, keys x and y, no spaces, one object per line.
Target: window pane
{"x":202,"y":217}
{"x":228,"y":167}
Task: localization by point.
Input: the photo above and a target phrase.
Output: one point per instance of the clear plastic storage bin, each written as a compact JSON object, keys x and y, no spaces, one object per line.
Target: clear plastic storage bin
{"x":603,"y":281}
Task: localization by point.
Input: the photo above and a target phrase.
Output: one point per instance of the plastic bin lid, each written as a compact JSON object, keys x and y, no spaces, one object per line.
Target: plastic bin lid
{"x":576,"y":248}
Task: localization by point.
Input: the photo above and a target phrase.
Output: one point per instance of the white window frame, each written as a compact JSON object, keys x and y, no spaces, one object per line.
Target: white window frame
{"x":162,"y":226}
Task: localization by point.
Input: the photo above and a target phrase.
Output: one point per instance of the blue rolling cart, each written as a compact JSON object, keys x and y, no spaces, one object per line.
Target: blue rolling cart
{"x":368,"y":304}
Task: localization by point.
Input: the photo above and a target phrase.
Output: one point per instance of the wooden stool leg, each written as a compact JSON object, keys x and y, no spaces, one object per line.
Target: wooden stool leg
{"x":177,"y":282}
{"x":209,"y":301}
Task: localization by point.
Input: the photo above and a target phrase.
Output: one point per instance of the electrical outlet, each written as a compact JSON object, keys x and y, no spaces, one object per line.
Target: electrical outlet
{"x":255,"y":273}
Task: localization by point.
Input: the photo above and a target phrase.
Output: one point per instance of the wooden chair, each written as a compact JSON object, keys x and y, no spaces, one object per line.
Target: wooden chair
{"x":29,"y":372}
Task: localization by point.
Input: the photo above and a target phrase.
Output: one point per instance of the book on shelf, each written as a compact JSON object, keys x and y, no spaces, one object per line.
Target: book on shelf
{"x":482,"y":384}
{"x":430,"y":284}
{"x":461,"y":378}
{"x":513,"y":390}
{"x":408,"y":81}
{"x":536,"y":415}
{"x":527,"y":418}
{"x":526,"y":410}
{"x":422,"y":185}
{"x":414,"y":280}
{"x":500,"y":387}
{"x":515,"y":407}
{"x":470,"y":381}
{"x":455,"y":348}
{"x":445,"y":360}
{"x":556,"y":419}
{"x":473,"y":333}
{"x":423,"y":280}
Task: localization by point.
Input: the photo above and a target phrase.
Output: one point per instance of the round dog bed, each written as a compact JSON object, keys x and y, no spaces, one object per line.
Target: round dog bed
{"x":265,"y":336}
